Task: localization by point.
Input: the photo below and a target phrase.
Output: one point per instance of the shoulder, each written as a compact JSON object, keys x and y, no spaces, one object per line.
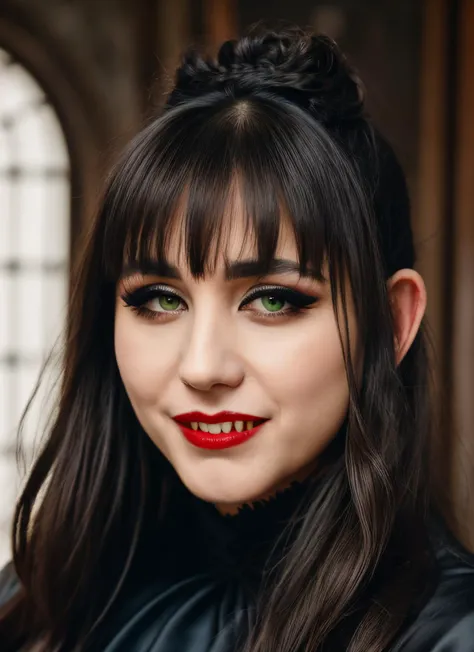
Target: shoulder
{"x":446,"y":623}
{"x":9,"y":583}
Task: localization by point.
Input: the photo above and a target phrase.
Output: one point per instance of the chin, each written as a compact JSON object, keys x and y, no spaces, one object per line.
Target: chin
{"x":227,"y":490}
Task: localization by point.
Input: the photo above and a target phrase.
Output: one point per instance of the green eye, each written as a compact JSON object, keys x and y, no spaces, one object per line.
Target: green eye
{"x":272,"y":304}
{"x":167,"y":302}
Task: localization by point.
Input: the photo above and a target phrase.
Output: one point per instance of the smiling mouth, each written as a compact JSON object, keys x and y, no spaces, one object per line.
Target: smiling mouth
{"x":221,"y":430}
{"x":225,"y":427}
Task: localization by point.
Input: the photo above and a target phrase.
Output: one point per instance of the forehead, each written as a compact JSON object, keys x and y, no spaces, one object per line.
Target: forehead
{"x":235,"y":238}
{"x":208,"y":230}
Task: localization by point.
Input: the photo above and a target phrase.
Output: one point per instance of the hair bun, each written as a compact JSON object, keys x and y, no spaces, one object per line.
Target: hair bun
{"x":309,"y":70}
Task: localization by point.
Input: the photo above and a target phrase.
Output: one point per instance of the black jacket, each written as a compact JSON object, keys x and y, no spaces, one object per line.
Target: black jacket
{"x":174,"y":603}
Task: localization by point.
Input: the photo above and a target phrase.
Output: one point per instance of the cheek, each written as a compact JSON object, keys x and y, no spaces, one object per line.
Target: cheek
{"x":145,"y":361}
{"x":305,"y":373}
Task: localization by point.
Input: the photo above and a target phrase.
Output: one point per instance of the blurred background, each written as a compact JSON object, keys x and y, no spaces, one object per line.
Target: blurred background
{"x":79,"y":77}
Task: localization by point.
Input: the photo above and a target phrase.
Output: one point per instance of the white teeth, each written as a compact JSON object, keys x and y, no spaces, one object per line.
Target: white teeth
{"x":226,"y":427}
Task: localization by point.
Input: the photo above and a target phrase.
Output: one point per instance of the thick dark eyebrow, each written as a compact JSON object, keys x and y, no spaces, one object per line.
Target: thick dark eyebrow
{"x":236,"y":270}
{"x":251,"y":268}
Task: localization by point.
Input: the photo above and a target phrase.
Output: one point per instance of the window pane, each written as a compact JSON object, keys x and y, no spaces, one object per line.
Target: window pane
{"x":5,"y":221}
{"x":54,"y":311}
{"x":5,"y":434}
{"x":31,"y":199}
{"x":4,"y":150}
{"x":5,"y":312}
{"x":30,"y":302}
{"x":56,"y":244}
{"x":54,"y":137}
{"x":31,"y":146}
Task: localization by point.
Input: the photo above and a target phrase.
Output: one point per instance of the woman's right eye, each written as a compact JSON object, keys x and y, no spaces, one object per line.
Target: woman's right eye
{"x":164,"y":303}
{"x":153,"y":302}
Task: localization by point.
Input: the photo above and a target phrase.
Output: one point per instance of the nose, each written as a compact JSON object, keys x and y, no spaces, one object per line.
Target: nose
{"x":210,"y":358}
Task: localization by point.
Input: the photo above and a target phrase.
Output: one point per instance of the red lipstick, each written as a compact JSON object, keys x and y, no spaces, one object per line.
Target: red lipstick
{"x":221,"y":440}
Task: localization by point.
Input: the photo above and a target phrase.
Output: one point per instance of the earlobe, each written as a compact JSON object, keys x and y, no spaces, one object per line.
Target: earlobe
{"x":407,"y":296}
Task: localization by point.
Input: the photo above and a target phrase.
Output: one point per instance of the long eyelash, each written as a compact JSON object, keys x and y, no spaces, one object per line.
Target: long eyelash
{"x":137,"y":298}
{"x":297,"y":300}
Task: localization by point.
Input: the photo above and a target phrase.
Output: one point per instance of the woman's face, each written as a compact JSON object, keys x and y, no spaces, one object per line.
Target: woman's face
{"x":257,"y":348}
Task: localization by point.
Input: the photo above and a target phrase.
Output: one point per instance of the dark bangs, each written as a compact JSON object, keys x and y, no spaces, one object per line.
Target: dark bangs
{"x":177,"y":178}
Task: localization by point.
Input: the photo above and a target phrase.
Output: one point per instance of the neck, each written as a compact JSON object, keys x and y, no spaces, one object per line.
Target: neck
{"x":231,"y":509}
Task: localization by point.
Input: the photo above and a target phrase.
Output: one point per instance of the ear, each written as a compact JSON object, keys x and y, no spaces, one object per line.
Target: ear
{"x":407,"y":296}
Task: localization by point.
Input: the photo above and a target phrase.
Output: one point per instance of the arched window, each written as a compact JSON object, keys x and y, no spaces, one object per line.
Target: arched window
{"x":34,"y":257}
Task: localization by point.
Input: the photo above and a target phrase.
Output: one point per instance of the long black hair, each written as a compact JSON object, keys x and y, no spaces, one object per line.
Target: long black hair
{"x":283,"y":114}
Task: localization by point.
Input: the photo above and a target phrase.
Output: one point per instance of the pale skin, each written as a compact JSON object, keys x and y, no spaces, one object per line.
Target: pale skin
{"x":213,"y":353}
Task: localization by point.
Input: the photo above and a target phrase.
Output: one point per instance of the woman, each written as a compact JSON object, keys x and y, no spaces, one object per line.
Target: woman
{"x":238,"y":459}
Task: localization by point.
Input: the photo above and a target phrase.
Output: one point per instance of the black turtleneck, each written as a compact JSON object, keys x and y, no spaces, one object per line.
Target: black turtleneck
{"x":243,"y":544}
{"x":194,"y":581}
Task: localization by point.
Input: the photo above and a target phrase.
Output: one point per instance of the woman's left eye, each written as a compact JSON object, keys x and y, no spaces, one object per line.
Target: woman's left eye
{"x":270,"y":303}
{"x":273,"y":302}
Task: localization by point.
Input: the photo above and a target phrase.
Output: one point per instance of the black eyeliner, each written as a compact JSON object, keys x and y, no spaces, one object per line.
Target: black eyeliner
{"x":293,"y":297}
{"x":140,"y":296}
